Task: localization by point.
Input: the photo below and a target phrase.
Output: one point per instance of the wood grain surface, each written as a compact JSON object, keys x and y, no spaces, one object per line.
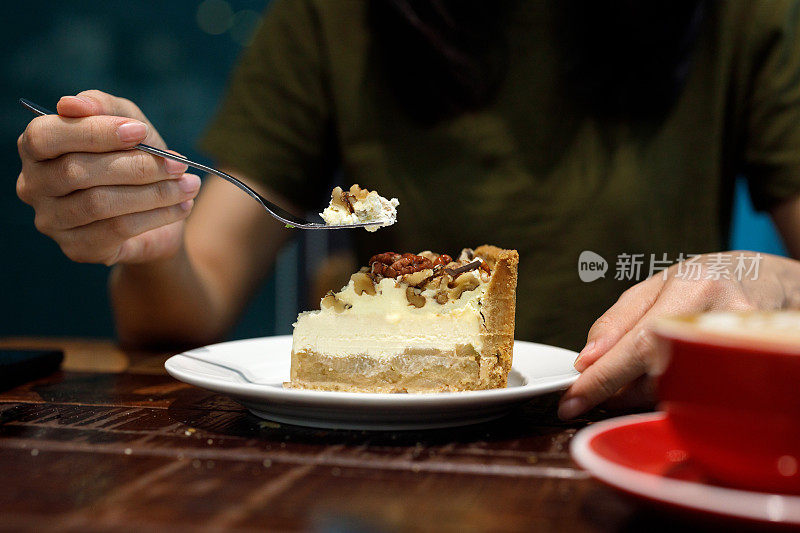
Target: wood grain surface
{"x":113,"y":443}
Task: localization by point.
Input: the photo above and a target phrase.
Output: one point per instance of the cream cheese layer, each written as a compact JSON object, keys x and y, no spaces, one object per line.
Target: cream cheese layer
{"x":385,"y":324}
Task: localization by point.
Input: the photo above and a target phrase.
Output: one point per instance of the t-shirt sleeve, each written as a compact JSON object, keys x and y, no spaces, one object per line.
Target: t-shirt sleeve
{"x":273,"y":125}
{"x":772,"y":146}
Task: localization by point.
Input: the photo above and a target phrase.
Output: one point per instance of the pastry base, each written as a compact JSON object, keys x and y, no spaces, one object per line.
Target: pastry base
{"x":413,"y":371}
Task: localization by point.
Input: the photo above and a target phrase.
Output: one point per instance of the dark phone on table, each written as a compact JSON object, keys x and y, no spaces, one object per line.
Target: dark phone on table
{"x":20,"y":366}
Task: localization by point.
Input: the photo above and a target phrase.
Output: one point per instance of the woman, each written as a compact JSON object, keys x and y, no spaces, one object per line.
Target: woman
{"x":552,"y":128}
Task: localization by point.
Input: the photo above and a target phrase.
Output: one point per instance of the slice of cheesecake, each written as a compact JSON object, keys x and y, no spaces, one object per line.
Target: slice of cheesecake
{"x":413,"y":323}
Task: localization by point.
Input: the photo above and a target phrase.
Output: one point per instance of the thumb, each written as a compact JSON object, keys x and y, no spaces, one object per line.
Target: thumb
{"x":93,"y":102}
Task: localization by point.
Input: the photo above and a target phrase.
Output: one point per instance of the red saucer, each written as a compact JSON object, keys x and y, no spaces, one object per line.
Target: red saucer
{"x":640,"y":455}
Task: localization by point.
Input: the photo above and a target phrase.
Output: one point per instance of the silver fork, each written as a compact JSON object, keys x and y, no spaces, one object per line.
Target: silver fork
{"x":271,"y":208}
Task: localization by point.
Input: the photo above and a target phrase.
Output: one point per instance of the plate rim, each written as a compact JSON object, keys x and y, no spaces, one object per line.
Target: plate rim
{"x":722,"y":501}
{"x":440,"y":399}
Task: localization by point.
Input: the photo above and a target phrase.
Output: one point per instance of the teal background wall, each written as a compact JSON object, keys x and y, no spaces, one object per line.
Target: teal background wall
{"x":172,"y":58}
{"x":751,"y":230}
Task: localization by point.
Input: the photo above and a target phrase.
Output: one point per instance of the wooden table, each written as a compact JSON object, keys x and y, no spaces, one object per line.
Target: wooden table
{"x":112,"y":442}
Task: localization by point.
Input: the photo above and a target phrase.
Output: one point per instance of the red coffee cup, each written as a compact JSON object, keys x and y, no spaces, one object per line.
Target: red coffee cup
{"x":730,"y":385}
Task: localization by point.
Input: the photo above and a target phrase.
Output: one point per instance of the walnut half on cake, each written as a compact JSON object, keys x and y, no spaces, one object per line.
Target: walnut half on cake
{"x":413,"y":323}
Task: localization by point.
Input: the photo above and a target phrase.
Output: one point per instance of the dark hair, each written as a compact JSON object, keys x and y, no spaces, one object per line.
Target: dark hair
{"x":622,"y":57}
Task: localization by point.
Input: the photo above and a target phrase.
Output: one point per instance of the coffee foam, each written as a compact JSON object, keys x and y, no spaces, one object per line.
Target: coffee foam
{"x":762,"y":325}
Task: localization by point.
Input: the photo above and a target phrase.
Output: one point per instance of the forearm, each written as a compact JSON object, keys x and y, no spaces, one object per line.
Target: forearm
{"x":194,"y":296}
{"x":166,"y":302}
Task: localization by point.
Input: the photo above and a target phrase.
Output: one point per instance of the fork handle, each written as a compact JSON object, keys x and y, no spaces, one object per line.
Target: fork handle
{"x":199,"y":166}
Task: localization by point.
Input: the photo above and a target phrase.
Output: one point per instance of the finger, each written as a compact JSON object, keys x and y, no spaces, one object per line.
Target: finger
{"x":99,"y":203}
{"x":94,"y":102}
{"x":76,"y":171}
{"x":627,"y":359}
{"x":639,"y":395}
{"x":150,"y":244}
{"x":618,"y":320}
{"x":50,"y":136}
{"x":101,"y":241}
{"x":24,"y":189}
{"x":622,"y":364}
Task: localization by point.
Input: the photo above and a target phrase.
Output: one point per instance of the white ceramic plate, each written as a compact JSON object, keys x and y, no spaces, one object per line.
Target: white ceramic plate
{"x":537,"y":369}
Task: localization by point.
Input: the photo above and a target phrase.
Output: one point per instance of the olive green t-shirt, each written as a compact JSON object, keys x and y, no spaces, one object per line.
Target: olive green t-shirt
{"x":531,"y":171}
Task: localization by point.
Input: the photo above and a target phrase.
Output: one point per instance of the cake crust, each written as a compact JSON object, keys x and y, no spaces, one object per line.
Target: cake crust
{"x":499,"y":307}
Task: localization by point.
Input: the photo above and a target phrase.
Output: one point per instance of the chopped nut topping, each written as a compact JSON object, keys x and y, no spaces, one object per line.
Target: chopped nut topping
{"x":443,"y":260}
{"x":467,"y":254}
{"x":464,"y":283}
{"x":343,"y":199}
{"x":336,"y":197}
{"x":363,"y":283}
{"x":430,"y":271}
{"x":330,"y":300}
{"x":438,"y":281}
{"x":392,"y":265}
{"x":465,"y":268}
{"x":358,"y":192}
{"x":418,"y":277}
{"x":414,"y":297}
{"x":444,"y":278}
{"x":348,"y":200}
